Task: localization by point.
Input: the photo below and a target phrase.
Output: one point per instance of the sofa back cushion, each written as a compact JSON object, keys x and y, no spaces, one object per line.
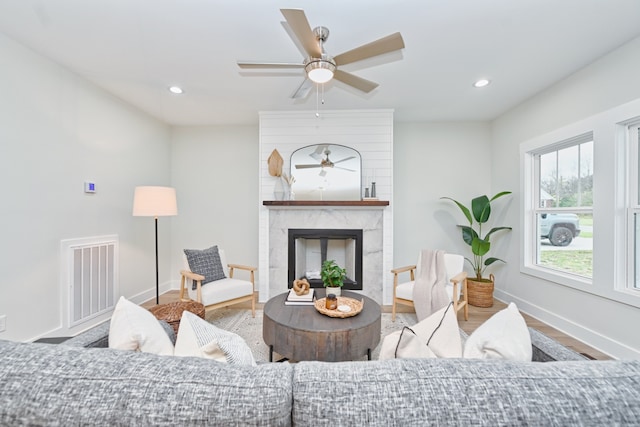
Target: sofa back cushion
{"x":44,"y":384}
{"x":412,"y":392}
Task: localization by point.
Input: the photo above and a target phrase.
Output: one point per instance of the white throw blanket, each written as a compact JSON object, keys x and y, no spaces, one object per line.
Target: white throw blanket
{"x":429,"y":290}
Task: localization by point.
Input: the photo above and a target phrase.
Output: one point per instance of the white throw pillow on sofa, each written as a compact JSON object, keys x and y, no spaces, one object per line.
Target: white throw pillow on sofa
{"x":404,"y":344}
{"x":135,"y":328}
{"x":503,"y":336}
{"x":199,"y":338}
{"x":435,"y":336}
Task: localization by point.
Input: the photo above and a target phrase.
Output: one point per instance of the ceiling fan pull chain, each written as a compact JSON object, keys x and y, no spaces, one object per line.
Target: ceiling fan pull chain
{"x":317,"y":101}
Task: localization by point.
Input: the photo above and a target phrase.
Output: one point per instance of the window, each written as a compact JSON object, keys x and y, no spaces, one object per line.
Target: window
{"x":633,"y":210}
{"x":561,"y":223}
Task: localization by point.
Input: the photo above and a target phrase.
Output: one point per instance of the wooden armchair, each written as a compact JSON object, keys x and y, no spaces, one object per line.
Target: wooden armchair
{"x":457,"y":289}
{"x":219,"y":293}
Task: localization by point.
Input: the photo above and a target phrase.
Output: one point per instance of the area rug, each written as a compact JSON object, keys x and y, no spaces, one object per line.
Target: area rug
{"x":239,"y":321}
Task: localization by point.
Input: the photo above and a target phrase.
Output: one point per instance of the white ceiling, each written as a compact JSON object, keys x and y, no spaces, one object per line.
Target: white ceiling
{"x":135,"y":49}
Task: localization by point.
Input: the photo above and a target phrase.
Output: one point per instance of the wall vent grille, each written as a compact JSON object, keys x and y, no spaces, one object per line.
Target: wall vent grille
{"x":92,"y":276}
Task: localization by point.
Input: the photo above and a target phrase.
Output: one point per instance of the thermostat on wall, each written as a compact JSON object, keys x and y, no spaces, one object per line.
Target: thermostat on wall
{"x":89,"y":187}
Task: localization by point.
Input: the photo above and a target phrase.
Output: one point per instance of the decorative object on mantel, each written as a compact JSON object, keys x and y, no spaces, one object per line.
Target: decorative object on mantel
{"x":480,"y":289}
{"x":347,"y":307}
{"x":332,"y":277}
{"x":289,"y":180}
{"x":275,"y":162}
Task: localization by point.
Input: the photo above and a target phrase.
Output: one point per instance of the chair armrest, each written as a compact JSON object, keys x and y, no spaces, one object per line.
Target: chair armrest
{"x":403,"y":269}
{"x":251,"y":271}
{"x":458,"y":277}
{"x":242,"y":267}
{"x":190,"y":275}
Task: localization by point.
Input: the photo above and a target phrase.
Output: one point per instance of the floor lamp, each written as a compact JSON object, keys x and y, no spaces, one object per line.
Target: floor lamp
{"x":155,"y":202}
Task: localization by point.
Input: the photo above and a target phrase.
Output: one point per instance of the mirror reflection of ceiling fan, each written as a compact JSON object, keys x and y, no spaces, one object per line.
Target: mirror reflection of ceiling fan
{"x":318,"y":65}
{"x":325,"y":162}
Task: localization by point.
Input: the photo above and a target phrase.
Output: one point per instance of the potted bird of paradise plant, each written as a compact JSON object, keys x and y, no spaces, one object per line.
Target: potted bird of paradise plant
{"x":480,"y":288}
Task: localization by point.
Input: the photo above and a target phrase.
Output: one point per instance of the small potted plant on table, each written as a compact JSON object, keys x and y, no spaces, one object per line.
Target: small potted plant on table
{"x":332,"y":276}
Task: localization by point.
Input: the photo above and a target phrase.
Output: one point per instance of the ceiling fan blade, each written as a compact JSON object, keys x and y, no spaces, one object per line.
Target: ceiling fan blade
{"x":355,"y":81}
{"x":384,"y":45}
{"x":255,"y":64}
{"x":307,"y":166}
{"x":344,"y":160}
{"x":339,"y":167}
{"x":299,"y":24}
{"x":303,"y":90}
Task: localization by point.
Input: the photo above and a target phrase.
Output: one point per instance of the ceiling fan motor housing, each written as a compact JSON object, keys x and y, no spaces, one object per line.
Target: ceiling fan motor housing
{"x":326,"y":63}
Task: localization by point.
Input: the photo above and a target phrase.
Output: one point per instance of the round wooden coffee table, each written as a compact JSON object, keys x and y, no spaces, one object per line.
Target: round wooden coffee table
{"x":300,"y":332}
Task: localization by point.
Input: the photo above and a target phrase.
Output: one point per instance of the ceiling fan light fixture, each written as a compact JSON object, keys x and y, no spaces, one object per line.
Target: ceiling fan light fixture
{"x":320,"y":70}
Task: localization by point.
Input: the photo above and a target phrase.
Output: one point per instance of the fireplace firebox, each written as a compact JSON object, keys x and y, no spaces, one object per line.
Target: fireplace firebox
{"x":309,"y":248}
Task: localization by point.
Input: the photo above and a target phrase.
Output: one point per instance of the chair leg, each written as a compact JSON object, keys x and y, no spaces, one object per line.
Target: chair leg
{"x":253,"y":305}
{"x":393,"y":311}
{"x":465,"y":295}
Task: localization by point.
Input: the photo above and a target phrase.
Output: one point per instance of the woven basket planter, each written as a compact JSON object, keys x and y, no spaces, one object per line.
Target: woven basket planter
{"x":480,"y":293}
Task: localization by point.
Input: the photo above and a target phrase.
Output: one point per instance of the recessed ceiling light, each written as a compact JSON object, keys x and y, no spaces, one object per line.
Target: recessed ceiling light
{"x":175,"y":89}
{"x":481,"y":83}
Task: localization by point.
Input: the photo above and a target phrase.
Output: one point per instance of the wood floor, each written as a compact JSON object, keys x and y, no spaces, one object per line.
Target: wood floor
{"x":477,"y":316}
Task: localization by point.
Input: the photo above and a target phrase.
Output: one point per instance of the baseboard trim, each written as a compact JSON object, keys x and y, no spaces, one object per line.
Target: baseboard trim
{"x":613,"y":348}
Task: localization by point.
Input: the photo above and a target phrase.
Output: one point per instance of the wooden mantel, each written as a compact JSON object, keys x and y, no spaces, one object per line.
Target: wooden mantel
{"x":325,"y":203}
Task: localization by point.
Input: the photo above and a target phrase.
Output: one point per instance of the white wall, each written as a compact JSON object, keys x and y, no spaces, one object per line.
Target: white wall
{"x":609,"y":82}
{"x":56,"y":131}
{"x":432,"y":160}
{"x":215,"y":173}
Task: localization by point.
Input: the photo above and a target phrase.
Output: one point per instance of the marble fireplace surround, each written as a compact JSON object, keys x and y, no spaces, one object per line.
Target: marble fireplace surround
{"x":369,"y":219}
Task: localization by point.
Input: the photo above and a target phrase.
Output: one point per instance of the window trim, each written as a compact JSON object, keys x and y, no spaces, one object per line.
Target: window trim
{"x":631,"y":147}
{"x":611,"y":253}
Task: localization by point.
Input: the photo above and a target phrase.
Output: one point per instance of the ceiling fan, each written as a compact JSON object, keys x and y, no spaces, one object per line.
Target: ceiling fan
{"x":326,"y":162}
{"x":321,"y":67}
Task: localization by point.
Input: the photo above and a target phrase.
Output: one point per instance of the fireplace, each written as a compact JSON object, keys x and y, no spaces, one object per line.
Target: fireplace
{"x":309,"y":248}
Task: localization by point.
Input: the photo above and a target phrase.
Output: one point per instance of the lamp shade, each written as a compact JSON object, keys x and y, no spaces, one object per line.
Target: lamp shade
{"x":155,"y":201}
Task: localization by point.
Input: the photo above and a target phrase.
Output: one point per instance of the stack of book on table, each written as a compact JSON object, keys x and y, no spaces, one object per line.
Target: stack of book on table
{"x":293,"y":299}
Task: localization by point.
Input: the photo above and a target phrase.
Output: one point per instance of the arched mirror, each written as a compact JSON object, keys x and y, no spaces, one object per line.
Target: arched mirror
{"x":326,"y":172}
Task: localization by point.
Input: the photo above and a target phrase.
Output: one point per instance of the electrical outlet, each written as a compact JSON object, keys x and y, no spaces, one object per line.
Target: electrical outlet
{"x":3,"y":323}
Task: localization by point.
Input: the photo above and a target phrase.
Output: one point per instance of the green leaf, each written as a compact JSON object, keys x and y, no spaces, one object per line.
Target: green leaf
{"x":480,"y":247}
{"x":463,"y":208}
{"x":494,"y":229}
{"x":491,"y":260}
{"x":468,"y":234}
{"x":502,"y":193}
{"x":481,"y":209}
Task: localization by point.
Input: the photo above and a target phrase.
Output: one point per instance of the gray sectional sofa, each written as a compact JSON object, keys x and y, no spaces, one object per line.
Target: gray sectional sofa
{"x":81,"y":383}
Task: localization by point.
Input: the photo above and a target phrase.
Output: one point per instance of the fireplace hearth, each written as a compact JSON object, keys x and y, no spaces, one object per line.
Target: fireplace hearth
{"x":309,"y":248}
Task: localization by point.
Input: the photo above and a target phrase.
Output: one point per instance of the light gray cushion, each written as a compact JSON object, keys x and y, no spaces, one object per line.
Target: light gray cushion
{"x":463,"y":392}
{"x":205,"y":262}
{"x":43,"y":384}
